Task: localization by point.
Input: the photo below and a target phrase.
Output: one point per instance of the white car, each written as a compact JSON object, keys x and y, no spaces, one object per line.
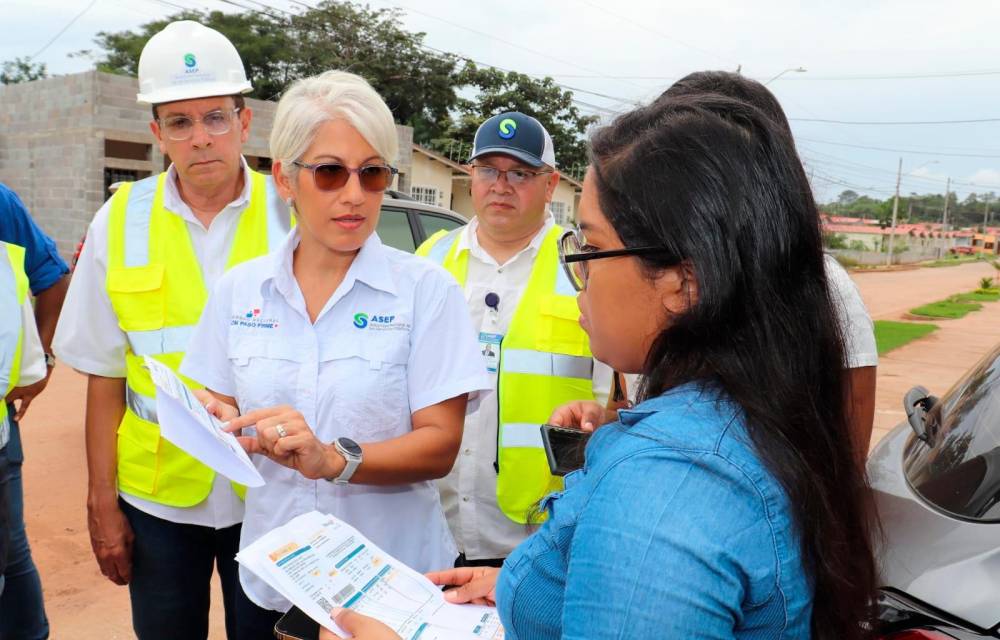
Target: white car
{"x":936,"y":478}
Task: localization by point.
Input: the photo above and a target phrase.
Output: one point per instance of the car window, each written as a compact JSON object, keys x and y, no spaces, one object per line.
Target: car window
{"x":394,"y":230}
{"x":958,"y":471}
{"x":434,"y":223}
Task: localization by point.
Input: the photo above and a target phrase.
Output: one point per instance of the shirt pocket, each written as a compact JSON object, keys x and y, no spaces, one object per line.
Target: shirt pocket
{"x":366,"y":380}
{"x":265,"y":372}
{"x":137,"y":296}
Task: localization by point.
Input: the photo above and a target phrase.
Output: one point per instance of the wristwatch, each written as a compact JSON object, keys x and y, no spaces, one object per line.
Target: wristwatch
{"x":351,"y":451}
{"x":50,"y":360}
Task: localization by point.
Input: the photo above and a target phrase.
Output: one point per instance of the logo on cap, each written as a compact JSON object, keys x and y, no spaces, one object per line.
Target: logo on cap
{"x":508,"y":127}
{"x":189,"y":60}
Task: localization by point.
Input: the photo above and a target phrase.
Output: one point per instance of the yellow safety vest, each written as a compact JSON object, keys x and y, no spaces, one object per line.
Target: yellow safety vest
{"x":545,"y":361}
{"x":157,"y":292}
{"x":13,"y":293}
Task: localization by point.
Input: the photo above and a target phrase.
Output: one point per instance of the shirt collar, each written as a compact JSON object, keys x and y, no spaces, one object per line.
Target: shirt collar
{"x":370,"y":266}
{"x":172,"y":200}
{"x":469,"y":241}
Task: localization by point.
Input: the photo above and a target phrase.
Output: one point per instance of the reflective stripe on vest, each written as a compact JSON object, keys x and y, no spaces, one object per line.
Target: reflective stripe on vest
{"x":540,"y":363}
{"x":140,"y":405}
{"x":159,"y":341}
{"x":13,"y":293}
{"x":545,"y":361}
{"x":156,"y":289}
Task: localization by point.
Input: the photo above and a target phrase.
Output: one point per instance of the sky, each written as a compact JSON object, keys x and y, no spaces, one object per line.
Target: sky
{"x":928,"y":66}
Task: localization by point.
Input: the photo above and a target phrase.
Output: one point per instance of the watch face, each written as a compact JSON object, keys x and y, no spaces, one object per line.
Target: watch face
{"x":350,"y":446}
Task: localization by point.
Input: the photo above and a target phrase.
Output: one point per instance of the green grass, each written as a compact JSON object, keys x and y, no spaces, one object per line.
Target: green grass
{"x":946,"y":309}
{"x":891,"y":335}
{"x":953,"y":261}
{"x":979,"y":295}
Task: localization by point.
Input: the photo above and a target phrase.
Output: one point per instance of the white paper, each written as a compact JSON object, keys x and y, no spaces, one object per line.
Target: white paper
{"x":319,"y":562}
{"x":189,"y":426}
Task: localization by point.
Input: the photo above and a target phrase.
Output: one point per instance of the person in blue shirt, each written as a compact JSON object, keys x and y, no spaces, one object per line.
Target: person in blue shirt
{"x":727,"y":503}
{"x":22,"y":611}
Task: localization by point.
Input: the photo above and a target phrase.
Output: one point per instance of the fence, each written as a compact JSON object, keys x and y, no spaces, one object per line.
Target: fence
{"x":877,"y":257}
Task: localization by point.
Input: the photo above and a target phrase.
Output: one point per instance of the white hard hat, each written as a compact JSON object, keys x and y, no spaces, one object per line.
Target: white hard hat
{"x":188,"y":60}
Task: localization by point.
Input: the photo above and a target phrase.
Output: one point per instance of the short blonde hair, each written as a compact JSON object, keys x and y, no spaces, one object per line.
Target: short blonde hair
{"x":332,"y":95}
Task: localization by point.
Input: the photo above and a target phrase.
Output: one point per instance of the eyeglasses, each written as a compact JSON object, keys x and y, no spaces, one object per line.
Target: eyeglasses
{"x":515,"y":177}
{"x":574,"y":255}
{"x":216,"y":123}
{"x":330,"y":176}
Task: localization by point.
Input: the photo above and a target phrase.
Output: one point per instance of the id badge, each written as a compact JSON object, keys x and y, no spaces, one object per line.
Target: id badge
{"x":489,"y":346}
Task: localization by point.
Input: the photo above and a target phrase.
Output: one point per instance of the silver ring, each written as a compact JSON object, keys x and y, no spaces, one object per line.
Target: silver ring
{"x":280,"y":428}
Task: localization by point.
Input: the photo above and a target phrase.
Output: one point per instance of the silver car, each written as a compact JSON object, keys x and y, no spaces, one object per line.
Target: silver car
{"x":937,"y":484}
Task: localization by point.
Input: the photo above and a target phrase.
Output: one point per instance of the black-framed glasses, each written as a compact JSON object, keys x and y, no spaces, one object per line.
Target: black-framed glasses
{"x":216,"y":123}
{"x":330,"y":176}
{"x":575,"y":255}
{"x":515,"y":177}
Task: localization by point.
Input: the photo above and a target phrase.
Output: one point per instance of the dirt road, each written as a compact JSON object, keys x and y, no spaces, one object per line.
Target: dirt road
{"x":83,"y":605}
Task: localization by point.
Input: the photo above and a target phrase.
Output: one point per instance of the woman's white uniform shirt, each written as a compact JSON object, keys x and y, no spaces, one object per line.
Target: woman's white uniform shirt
{"x":394,"y":338}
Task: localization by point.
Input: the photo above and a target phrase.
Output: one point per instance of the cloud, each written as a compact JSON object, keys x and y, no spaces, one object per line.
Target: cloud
{"x":989,"y":178}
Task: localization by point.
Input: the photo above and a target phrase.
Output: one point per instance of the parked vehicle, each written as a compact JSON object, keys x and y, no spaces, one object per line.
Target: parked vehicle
{"x":406,"y":223}
{"x":962,"y":251}
{"x":937,"y":483}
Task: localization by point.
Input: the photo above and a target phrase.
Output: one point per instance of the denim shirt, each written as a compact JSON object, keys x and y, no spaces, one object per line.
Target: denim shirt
{"x":674,"y":528}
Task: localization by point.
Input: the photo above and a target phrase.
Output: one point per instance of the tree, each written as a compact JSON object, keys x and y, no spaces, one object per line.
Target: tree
{"x":422,"y":87}
{"x":847,"y":197}
{"x":499,"y":91}
{"x":22,"y":70}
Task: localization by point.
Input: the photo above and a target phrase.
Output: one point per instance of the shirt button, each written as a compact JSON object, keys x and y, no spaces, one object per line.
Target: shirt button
{"x":499,"y":270}
{"x":468,"y":452}
{"x":465,"y":498}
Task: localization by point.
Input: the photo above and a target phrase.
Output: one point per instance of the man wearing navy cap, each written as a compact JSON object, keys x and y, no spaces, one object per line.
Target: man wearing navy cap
{"x":507,"y":261}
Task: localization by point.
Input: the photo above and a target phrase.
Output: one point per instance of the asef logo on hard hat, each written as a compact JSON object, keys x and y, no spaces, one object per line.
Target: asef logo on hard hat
{"x":190,"y":61}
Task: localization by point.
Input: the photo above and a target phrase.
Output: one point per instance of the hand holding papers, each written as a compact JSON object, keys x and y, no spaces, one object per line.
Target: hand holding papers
{"x":189,"y":426}
{"x":318,"y":563}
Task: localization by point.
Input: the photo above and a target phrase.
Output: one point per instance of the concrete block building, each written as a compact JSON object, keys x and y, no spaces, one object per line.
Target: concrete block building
{"x":65,"y":140}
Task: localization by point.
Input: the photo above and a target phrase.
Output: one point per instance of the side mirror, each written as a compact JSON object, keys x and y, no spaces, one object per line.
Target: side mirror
{"x":917,"y":402}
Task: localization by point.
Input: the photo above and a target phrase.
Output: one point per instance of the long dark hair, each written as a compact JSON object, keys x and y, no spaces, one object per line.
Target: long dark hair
{"x":718,"y":183}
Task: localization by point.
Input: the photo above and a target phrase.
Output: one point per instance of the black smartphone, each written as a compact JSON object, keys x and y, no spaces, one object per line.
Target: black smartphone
{"x":296,"y":625}
{"x":564,"y":448}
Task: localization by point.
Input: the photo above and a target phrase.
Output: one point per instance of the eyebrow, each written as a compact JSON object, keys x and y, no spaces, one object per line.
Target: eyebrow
{"x":330,"y":156}
{"x":176,"y":114}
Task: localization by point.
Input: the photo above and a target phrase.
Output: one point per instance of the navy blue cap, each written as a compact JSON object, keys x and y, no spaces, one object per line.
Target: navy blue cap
{"x":516,"y":135}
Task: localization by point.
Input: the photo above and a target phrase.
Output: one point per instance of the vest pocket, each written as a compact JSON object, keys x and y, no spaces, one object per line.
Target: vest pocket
{"x":559,"y":330}
{"x":137,"y":296}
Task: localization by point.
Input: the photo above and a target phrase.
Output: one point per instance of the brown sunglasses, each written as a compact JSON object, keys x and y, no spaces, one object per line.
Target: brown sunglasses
{"x":330,"y":176}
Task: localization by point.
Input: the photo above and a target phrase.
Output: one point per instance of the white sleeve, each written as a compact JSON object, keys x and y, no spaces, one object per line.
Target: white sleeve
{"x":32,"y":353}
{"x":444,"y":360}
{"x":601,"y":381}
{"x":88,"y":337}
{"x":206,"y":360}
{"x":856,"y":324}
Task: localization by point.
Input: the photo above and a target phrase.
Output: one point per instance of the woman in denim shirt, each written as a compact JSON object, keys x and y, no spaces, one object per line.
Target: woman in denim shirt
{"x":727,"y":503}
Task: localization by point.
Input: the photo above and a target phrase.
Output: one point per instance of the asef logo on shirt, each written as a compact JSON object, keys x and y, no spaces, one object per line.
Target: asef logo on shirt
{"x":379,"y":322}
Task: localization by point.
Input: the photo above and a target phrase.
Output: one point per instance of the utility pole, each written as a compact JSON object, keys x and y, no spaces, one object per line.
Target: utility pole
{"x":944,"y":218}
{"x":986,"y":212}
{"x":895,"y":210}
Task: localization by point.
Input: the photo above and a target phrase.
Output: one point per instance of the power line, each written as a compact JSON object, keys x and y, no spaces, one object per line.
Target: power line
{"x":506,"y":42}
{"x":63,"y":30}
{"x":655,"y":32}
{"x":890,"y":122}
{"x":814,"y":77}
{"x":896,"y":150}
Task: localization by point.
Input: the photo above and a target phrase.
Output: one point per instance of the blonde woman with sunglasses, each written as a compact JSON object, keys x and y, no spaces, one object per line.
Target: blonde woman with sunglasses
{"x":343,"y":365}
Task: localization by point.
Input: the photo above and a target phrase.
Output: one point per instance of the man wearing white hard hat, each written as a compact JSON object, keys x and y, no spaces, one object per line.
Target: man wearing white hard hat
{"x":160,"y":520}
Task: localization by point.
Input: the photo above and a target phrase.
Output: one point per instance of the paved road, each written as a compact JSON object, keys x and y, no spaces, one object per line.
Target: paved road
{"x":84,"y":606}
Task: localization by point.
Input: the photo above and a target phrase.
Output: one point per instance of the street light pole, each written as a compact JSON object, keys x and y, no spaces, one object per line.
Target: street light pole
{"x":895,"y":210}
{"x":944,"y":217}
{"x":986,"y":212}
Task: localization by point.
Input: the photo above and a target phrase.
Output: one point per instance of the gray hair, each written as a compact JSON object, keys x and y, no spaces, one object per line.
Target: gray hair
{"x":331,"y":95}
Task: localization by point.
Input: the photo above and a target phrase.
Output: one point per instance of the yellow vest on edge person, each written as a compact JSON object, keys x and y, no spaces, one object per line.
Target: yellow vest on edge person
{"x":545,"y":361}
{"x":13,"y":292}
{"x":156,"y":289}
